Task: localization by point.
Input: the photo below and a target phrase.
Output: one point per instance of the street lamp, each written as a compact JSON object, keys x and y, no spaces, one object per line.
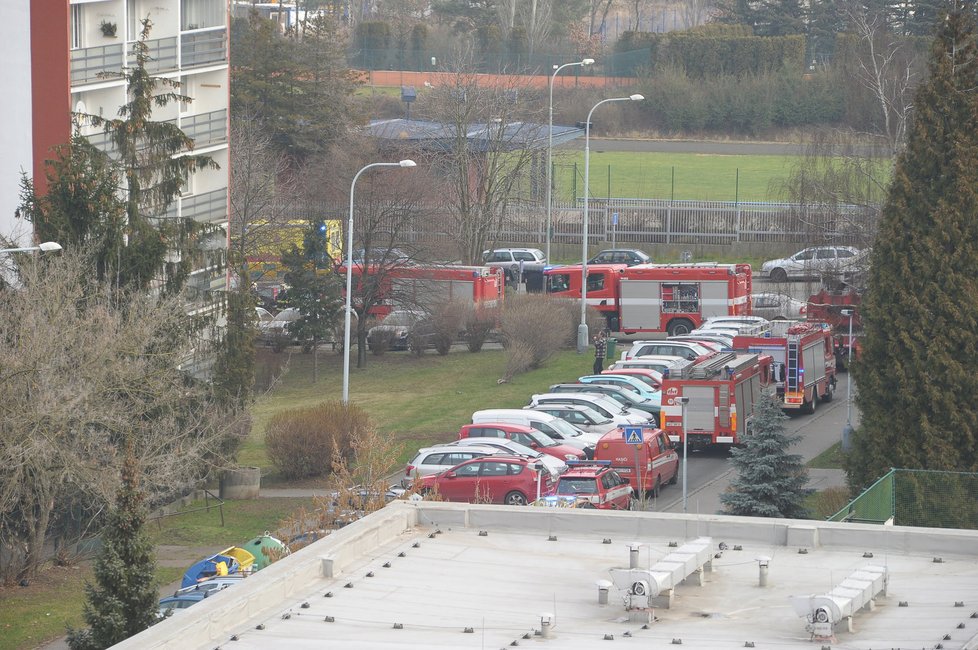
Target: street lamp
{"x":683,"y":401}
{"x":582,"y":337}
{"x":349,"y":276}
{"x":46,"y":247}
{"x":847,"y":430}
{"x":550,"y":144}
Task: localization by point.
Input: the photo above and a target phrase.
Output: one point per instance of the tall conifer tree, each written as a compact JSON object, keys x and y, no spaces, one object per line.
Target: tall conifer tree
{"x":917,"y":374}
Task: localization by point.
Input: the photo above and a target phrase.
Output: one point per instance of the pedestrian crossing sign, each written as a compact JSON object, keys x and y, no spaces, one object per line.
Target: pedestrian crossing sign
{"x":632,"y":435}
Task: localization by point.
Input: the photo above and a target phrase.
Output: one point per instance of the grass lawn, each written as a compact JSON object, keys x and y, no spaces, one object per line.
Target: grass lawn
{"x":831,"y":458}
{"x":242,"y":521}
{"x":416,"y":399}
{"x":678,"y":176}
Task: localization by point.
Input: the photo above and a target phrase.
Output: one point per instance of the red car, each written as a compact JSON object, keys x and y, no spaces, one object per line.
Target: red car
{"x":594,"y":485}
{"x":510,"y":480}
{"x":649,"y":376}
{"x":525,"y":436}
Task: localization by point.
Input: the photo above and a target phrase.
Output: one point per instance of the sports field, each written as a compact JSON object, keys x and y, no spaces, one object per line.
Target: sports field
{"x":675,"y":176}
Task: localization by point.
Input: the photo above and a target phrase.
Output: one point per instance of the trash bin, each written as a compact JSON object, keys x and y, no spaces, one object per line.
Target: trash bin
{"x":610,"y":350}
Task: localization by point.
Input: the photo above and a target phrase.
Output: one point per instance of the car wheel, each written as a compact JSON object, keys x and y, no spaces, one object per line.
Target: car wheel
{"x":779,"y":275}
{"x":675,"y":476}
{"x":679,"y":326}
{"x":654,"y":492}
{"x":808,"y":407}
{"x":829,"y":393}
{"x":515,"y":498}
{"x":631,"y":504}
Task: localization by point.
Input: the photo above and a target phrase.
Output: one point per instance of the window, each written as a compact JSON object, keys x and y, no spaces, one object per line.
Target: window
{"x":459,"y":457}
{"x":845,"y":252}
{"x":523,"y":256}
{"x":494,"y":468}
{"x":558,"y":282}
{"x":434,"y":459}
{"x":200,"y":14}
{"x":825,"y":254}
{"x":606,"y":482}
{"x":77,"y":23}
{"x":523,"y":438}
{"x":486,"y":432}
{"x":133,"y":25}
{"x":500,"y":256}
{"x":595,"y":281}
{"x":804,"y":255}
{"x":515,"y":468}
{"x":472,"y":469}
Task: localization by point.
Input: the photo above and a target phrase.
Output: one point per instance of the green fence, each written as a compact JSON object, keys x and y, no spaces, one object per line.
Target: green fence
{"x":908,"y":497}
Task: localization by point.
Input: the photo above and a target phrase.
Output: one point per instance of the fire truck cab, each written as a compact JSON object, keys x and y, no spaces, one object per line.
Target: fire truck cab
{"x":803,"y":362}
{"x":722,"y":390}
{"x":672,"y":298}
{"x":413,"y":286}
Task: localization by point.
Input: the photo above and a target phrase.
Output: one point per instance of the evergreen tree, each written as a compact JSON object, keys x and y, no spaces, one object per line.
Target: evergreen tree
{"x":770,"y":482}
{"x":916,"y":374}
{"x":154,"y":164}
{"x":124,"y":599}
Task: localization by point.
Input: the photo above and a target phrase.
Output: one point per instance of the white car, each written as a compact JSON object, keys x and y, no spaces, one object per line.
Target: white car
{"x":658,"y":362}
{"x":582,"y":417}
{"x":603,"y":404}
{"x":733,"y":321}
{"x":506,"y":446}
{"x":683,"y":349}
{"x":431,"y":460}
{"x":778,"y":306}
{"x":276,"y":330}
{"x":812,"y":262}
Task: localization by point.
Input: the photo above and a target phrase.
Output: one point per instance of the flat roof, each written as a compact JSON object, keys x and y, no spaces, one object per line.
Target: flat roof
{"x":421,"y":574}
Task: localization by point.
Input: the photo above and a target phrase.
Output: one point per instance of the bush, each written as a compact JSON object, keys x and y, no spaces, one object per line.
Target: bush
{"x":534,"y":327}
{"x":447,"y":321}
{"x":380,"y":341}
{"x":478,"y":325}
{"x":300,"y":442}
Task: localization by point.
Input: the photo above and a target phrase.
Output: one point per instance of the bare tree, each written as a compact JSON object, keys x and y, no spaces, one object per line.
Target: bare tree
{"x":82,"y":369}
{"x":695,"y":12}
{"x":262,"y":194}
{"x":598,"y":14}
{"x":490,"y":145}
{"x":885,"y":65}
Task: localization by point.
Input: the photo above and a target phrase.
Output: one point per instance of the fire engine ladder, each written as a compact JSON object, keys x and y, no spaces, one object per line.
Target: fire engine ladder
{"x":791,"y":369}
{"x":713,"y":365}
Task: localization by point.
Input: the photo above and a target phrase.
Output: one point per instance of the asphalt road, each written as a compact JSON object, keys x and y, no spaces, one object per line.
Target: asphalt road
{"x":710,"y":472}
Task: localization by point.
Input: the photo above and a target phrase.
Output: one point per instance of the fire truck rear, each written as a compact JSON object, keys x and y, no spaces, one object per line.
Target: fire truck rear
{"x":840,"y":310}
{"x":722,"y":390}
{"x":414,"y":286}
{"x":803,"y":362}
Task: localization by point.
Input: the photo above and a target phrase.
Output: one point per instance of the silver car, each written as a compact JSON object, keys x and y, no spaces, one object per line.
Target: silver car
{"x":506,"y":446}
{"x":778,"y":306}
{"x":431,"y":460}
{"x":812,"y":263}
{"x":584,"y":418}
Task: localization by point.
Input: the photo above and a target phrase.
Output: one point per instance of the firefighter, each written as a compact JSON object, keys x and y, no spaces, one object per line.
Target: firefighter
{"x":600,"y":347}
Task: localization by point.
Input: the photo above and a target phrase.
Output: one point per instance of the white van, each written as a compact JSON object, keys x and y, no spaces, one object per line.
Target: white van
{"x":561,"y":431}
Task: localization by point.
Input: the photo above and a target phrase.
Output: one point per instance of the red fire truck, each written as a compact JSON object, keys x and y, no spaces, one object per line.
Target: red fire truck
{"x":833,"y":307}
{"x":802,"y":362}
{"x":413,"y":285}
{"x":722,"y":390}
{"x":673,"y":298}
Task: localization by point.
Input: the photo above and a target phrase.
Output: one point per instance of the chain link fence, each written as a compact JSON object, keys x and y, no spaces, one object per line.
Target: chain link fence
{"x":909,"y":497}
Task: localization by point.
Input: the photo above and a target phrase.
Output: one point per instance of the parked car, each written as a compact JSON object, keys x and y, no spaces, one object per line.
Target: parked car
{"x":510,"y":480}
{"x":630,"y":382}
{"x":603,"y":404}
{"x":594,"y":486}
{"x":398,"y":328}
{"x":173,"y":604}
{"x":649,"y":376}
{"x":734,"y":321}
{"x":554,"y":427}
{"x":276,"y":331}
{"x":584,"y":418}
{"x":555,"y":465}
{"x":263,"y":316}
{"x":431,"y":460}
{"x":778,"y":306}
{"x":684,"y":349}
{"x":812,"y":262}
{"x":509,"y":260}
{"x":628,"y":256}
{"x":717,"y":339}
{"x":524,"y":435}
{"x":658,"y":362}
{"x":621,"y":394}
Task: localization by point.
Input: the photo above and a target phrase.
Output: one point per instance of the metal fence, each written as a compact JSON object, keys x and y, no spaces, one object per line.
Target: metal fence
{"x":909,"y":497}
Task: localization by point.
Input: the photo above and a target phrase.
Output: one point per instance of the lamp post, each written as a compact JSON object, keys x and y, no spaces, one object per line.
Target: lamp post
{"x":582,"y":336}
{"x":847,"y":430}
{"x":683,"y":401}
{"x":46,"y":247}
{"x":349,"y":275}
{"x":550,"y":144}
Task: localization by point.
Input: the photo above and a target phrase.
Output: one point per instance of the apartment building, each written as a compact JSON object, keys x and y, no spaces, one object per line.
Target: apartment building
{"x":74,"y":43}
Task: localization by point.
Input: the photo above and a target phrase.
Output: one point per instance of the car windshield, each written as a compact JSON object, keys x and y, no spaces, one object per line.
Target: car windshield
{"x":565,"y":429}
{"x":287,"y":315}
{"x":645,"y":379}
{"x":542,"y":439}
{"x":573,"y":486}
{"x":522,"y":450}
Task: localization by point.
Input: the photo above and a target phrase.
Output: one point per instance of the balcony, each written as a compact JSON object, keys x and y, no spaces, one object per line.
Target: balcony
{"x":206,"y":128}
{"x":207,"y":207}
{"x":203,"y":48}
{"x":162,"y":55}
{"x":90,"y":62}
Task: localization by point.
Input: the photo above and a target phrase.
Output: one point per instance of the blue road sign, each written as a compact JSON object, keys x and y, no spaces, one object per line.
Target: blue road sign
{"x":632,"y":435}
{"x":614,"y":218}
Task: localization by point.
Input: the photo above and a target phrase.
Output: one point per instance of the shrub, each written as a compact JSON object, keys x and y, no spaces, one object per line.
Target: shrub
{"x":300,"y":442}
{"x":379,"y":341}
{"x":534,"y":328}
{"x":446,"y":322}
{"x":478,"y":325}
